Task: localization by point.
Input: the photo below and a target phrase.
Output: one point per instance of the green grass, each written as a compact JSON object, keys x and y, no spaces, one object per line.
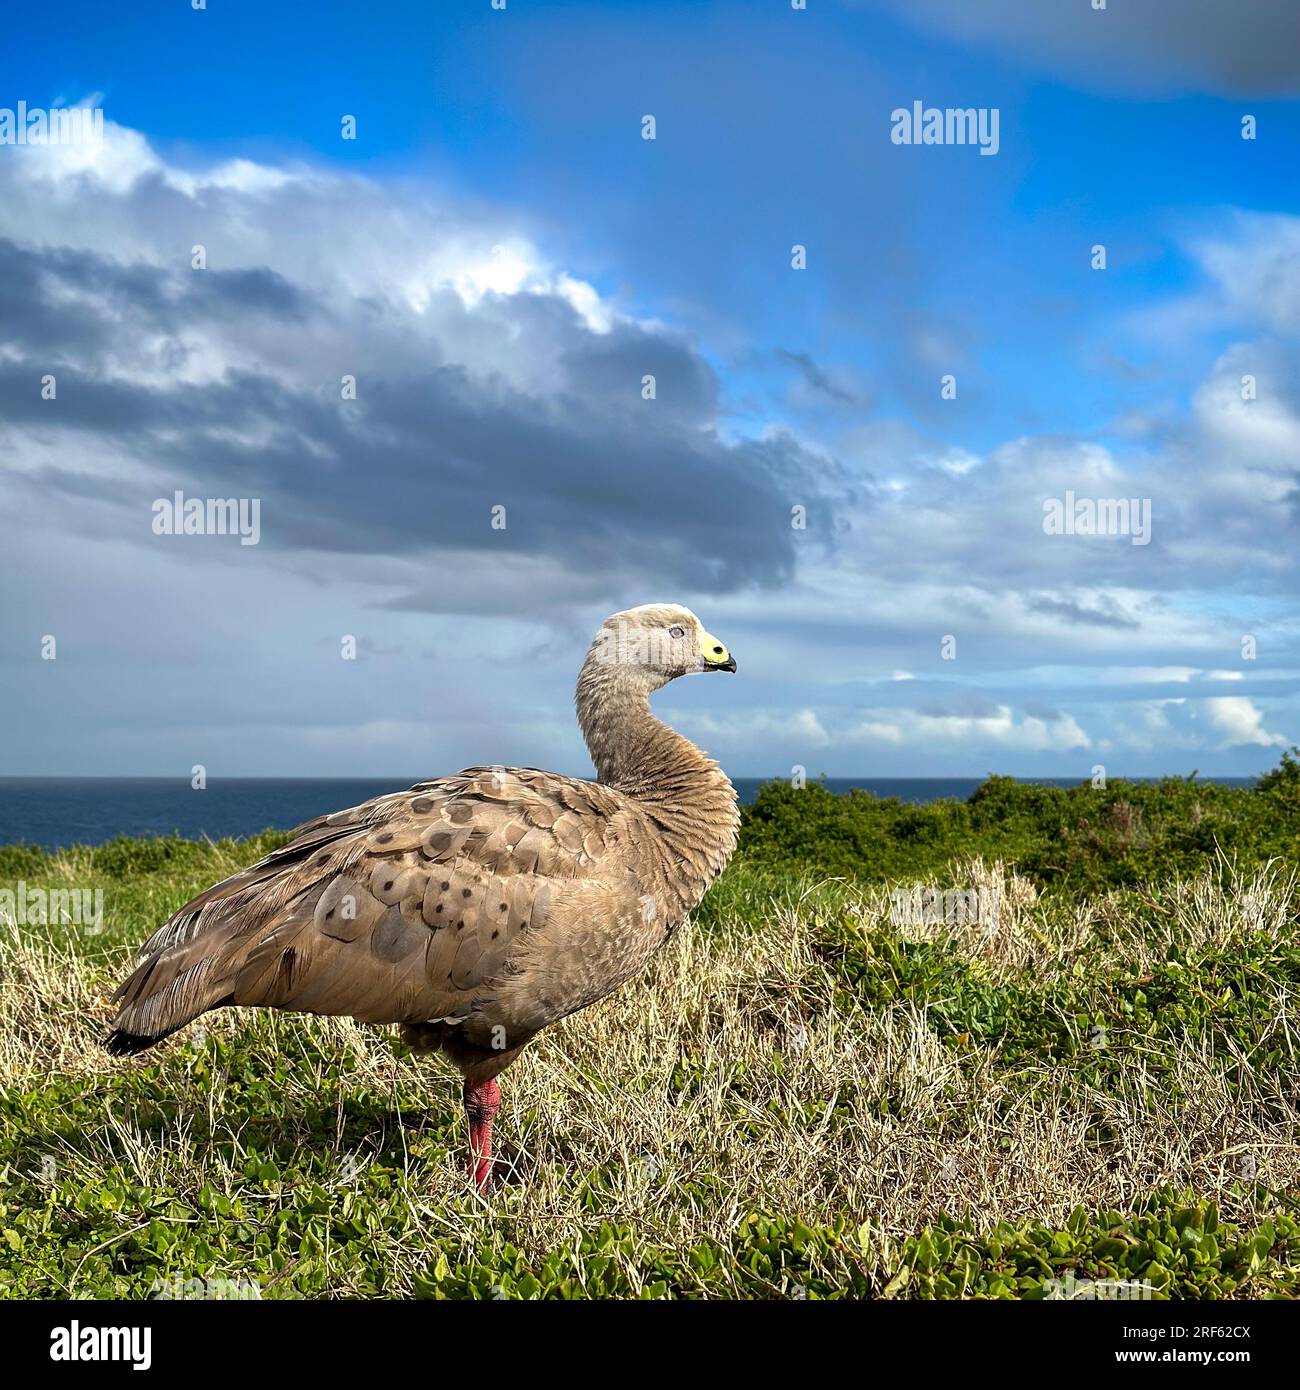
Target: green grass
{"x":803,"y":1099}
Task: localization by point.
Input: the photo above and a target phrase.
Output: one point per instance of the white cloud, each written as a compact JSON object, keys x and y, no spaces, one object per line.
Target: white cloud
{"x":1260,"y":435}
{"x":1157,"y":675}
{"x":1240,"y":722}
{"x":788,"y":731}
{"x":333,"y":231}
{"x":877,"y":730}
{"x":998,"y":728}
{"x":67,"y":171}
{"x":1255,"y":266}
{"x":958,"y":462}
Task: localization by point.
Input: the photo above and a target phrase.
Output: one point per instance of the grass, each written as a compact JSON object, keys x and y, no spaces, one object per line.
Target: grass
{"x":808,"y":1096}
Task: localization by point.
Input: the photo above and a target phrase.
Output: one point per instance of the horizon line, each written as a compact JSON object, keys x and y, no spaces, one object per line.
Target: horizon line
{"x":1195,"y":774}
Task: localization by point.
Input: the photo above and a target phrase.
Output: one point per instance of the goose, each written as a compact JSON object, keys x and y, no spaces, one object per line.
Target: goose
{"x":475,"y":909}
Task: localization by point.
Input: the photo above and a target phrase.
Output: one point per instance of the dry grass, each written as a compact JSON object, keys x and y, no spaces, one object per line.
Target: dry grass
{"x":1213,"y":909}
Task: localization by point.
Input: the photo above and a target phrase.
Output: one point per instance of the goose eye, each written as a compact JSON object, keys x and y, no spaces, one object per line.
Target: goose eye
{"x":677,"y":632}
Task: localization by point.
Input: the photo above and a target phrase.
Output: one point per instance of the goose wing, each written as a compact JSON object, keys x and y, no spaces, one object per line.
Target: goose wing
{"x":403,"y":909}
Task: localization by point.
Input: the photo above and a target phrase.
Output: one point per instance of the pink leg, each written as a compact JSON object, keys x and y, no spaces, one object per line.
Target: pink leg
{"x":482,"y":1101}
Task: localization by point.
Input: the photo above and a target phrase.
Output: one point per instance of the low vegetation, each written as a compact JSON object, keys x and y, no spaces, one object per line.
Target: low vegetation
{"x":1084,"y":1086}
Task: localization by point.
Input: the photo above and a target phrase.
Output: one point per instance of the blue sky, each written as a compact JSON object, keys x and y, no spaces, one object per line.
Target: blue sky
{"x":513,"y":374}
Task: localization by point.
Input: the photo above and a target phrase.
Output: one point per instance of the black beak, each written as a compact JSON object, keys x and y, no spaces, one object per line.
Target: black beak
{"x":728,"y":665}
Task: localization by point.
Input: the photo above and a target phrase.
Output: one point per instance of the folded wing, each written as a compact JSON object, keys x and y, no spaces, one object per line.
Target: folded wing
{"x":401,"y":910}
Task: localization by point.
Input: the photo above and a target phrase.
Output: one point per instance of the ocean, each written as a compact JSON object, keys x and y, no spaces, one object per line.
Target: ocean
{"x":55,"y":812}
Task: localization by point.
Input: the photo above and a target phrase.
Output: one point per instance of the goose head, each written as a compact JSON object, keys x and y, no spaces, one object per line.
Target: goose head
{"x":657,"y":642}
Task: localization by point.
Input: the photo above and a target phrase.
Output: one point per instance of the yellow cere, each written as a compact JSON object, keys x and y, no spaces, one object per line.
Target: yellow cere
{"x":711,"y":649}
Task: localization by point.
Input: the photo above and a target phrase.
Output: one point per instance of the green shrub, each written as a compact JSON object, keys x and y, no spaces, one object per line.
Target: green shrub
{"x":1073,"y":840}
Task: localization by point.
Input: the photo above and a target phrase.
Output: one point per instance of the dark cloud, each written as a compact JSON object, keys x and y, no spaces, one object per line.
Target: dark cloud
{"x":1292,"y":498}
{"x":817,"y":379}
{"x":610,"y":368}
{"x":588,"y":471}
{"x":1246,"y":47}
{"x":1106,"y":614}
{"x":961,"y":705}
